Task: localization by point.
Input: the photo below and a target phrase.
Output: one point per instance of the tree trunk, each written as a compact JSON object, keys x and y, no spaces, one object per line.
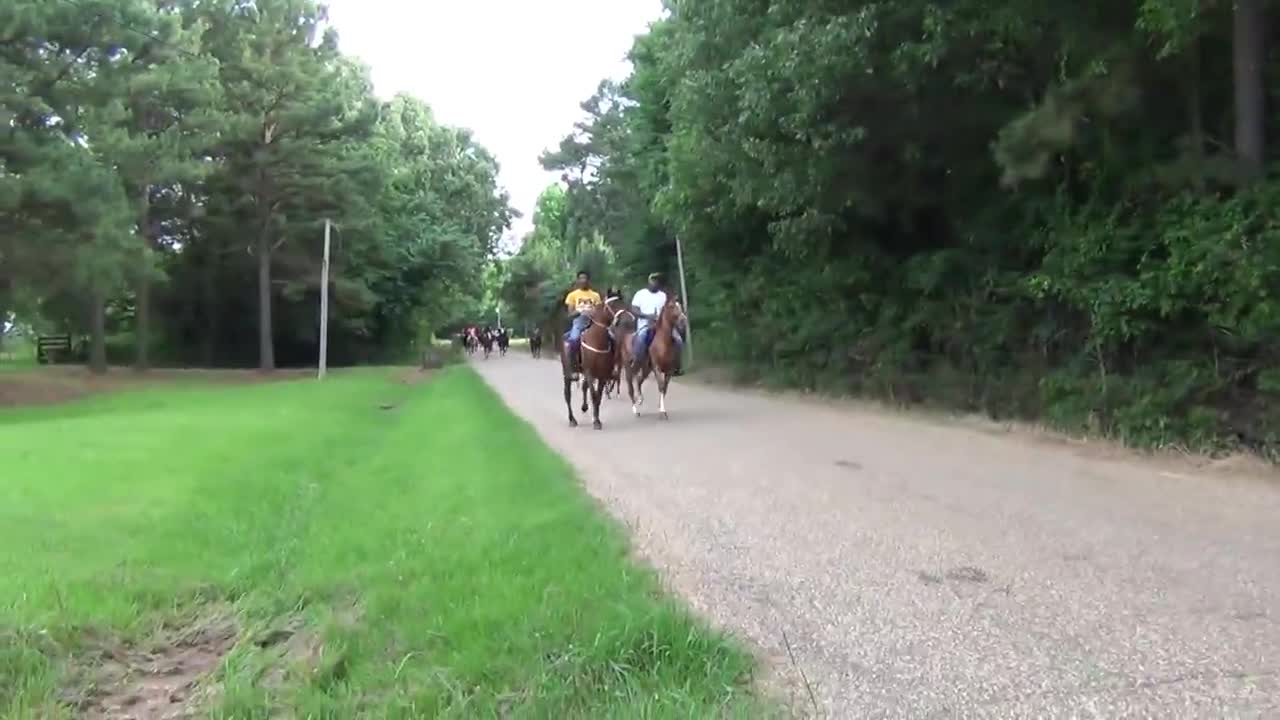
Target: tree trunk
{"x":142,"y":318}
{"x":1248,"y":51}
{"x":266,"y":342}
{"x":1195,"y":112}
{"x":209,"y":281}
{"x":98,"y":331}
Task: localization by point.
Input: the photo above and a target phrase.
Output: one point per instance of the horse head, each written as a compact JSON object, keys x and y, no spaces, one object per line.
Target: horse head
{"x":601,"y":313}
{"x":618,"y":309}
{"x":672,"y":314}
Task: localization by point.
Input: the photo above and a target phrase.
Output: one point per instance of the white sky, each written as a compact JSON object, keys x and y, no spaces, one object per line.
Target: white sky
{"x":513,"y":71}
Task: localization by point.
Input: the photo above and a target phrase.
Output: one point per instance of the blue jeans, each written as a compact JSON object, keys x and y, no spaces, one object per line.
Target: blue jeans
{"x":579,"y":326}
{"x":644,"y":338}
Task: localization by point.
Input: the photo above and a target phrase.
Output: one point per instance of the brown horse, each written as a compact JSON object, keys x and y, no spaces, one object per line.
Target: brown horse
{"x":624,"y":328}
{"x":597,"y":364}
{"x":662,"y":360}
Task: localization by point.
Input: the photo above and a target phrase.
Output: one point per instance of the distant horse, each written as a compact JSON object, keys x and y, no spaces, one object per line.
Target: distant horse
{"x":471,"y":341}
{"x":486,"y":342}
{"x":504,"y":342}
{"x":663,"y":355}
{"x":597,"y":364}
{"x":535,"y":344}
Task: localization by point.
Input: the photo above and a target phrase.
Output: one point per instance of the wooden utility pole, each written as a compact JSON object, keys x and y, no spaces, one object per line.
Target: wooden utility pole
{"x":684,"y":295}
{"x":324,"y":304}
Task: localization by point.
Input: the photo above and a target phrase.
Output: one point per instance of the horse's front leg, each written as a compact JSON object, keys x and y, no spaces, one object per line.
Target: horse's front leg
{"x":664,"y":380}
{"x":568,"y":401}
{"x":631,"y":389}
{"x":644,"y":375}
{"x":596,"y":392}
{"x":586,"y":385}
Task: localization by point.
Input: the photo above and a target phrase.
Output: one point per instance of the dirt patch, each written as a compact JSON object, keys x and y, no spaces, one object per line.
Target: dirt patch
{"x":295,"y":650}
{"x":415,"y":376}
{"x":53,"y":385}
{"x":30,"y":389}
{"x":163,"y":678}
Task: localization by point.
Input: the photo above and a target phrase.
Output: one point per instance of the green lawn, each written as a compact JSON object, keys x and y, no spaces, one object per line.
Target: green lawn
{"x":429,"y":560}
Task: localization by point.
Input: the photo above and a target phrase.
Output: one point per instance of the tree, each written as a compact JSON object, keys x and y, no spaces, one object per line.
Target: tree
{"x":1019,"y":207}
{"x":297,"y":108}
{"x":206,"y":142}
{"x":152,"y":115}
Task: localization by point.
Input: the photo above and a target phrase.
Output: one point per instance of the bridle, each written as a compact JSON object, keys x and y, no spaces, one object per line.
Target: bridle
{"x":617,"y":315}
{"x":680,"y":317}
{"x":613,"y":321}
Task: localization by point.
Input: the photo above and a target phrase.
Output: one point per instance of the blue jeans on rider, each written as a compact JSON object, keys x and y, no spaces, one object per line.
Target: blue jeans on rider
{"x":579,"y":325}
{"x":645,"y":337}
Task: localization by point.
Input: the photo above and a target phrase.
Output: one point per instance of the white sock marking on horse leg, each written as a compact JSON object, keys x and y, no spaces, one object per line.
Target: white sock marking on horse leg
{"x":662,"y":402}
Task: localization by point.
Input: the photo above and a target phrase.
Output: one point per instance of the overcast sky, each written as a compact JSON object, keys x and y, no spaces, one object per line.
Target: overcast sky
{"x":514,"y":71}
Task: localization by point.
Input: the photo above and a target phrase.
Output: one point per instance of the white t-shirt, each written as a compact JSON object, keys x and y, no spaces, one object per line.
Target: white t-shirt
{"x":649,"y":303}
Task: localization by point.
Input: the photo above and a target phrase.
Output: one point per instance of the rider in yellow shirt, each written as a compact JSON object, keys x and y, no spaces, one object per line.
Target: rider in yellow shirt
{"x":580,"y":299}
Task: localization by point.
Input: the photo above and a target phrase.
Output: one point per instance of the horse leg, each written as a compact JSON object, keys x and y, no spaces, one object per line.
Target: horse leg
{"x":631,"y":391}
{"x":644,"y":375}
{"x":568,"y":401}
{"x":664,"y":379}
{"x":586,"y":385}
{"x":596,"y":392}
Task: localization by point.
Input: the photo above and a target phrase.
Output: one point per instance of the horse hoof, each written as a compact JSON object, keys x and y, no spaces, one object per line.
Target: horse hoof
{"x":573,"y":423}
{"x":635,"y":411}
{"x":597,"y":425}
{"x":663,"y":416}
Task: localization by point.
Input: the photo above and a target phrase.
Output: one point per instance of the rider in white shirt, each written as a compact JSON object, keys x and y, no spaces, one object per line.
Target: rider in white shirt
{"x":647,"y":303}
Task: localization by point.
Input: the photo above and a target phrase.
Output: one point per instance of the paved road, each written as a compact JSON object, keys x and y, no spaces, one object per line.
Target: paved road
{"x":921,"y":569}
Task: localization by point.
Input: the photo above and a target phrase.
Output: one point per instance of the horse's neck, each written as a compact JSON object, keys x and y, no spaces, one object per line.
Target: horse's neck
{"x":597,"y":325}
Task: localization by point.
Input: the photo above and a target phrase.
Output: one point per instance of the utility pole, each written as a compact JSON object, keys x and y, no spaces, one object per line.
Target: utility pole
{"x":684,"y":294}
{"x":324,"y":304}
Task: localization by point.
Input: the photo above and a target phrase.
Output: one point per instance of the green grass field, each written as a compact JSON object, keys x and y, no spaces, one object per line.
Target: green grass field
{"x":363,"y":547}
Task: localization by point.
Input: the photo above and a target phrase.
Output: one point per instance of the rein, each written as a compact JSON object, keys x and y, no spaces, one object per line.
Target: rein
{"x":597,"y":323}
{"x":619,"y":313}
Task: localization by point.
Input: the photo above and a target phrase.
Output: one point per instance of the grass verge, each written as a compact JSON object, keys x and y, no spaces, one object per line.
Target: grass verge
{"x":357,"y":548}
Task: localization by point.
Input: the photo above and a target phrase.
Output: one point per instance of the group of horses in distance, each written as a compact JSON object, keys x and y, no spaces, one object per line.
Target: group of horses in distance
{"x":478,"y":339}
{"x":608,"y":354}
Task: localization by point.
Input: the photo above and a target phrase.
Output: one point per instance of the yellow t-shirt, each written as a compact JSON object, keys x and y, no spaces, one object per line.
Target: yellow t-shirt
{"x":581,"y":300}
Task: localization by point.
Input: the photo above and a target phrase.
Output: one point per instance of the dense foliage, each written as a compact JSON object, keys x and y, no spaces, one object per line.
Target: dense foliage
{"x":1052,"y":210}
{"x":167,"y":168}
